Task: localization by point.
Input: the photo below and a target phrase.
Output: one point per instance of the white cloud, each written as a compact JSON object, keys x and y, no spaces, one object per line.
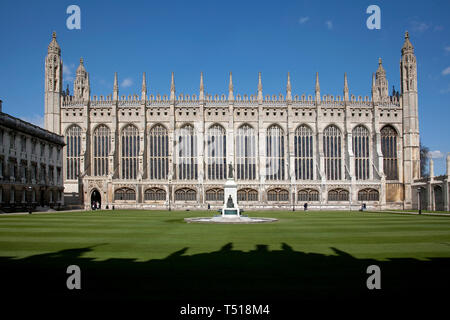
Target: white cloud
{"x":68,"y":70}
{"x":446,"y":71}
{"x":329,"y":24}
{"x":435,"y":154}
{"x":127,"y":82}
{"x":303,"y":20}
{"x":35,"y":119}
{"x":420,"y":26}
{"x":446,"y":90}
{"x":447,"y":49}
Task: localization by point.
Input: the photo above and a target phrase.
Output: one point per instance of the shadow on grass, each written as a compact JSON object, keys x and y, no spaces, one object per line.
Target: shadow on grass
{"x":226,"y":275}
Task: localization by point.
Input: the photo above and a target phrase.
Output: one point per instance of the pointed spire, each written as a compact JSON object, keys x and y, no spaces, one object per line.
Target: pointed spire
{"x":317,"y":88}
{"x":116,"y":88}
{"x":288,"y":88}
{"x":346,"y":95}
{"x":230,"y":88}
{"x":407,"y":45}
{"x":172,"y":89}
{"x":53,"y":47}
{"x":374,"y":89}
{"x":260,"y":94}
{"x":380,"y":69}
{"x":81,"y":69}
{"x":381,"y":81}
{"x":87,"y":89}
{"x":144,"y":88}
{"x":81,"y":83}
{"x":201,"y":96}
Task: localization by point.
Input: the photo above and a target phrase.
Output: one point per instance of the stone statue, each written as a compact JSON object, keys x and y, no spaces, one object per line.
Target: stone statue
{"x":230,"y":203}
{"x":230,"y":171}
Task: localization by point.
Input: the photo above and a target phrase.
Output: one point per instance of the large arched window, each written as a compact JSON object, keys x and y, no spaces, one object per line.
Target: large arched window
{"x":308,"y":195}
{"x":332,"y":143}
{"x":303,"y":147}
{"x":278,"y":195}
{"x":247,"y":194}
{"x":186,"y":151}
{"x":185,"y":194}
{"x":155,"y":194}
{"x":124,"y":194}
{"x":73,"y":152}
{"x":215,"y":194}
{"x":246,"y":153}
{"x":361,"y":147}
{"x":338,"y":195}
{"x":158,"y":150}
{"x":217,"y":153}
{"x":275,"y":153}
{"x":101,"y":146}
{"x":389,"y":150}
{"x":368,"y":195}
{"x":130,"y":152}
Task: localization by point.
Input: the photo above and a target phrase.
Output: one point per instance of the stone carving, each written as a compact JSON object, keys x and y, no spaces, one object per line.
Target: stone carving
{"x":230,"y":203}
{"x":230,"y":171}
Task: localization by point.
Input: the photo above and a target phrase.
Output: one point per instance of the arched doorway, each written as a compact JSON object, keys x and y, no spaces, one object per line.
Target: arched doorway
{"x":96,"y":199}
{"x":42,"y":198}
{"x":438,"y":199}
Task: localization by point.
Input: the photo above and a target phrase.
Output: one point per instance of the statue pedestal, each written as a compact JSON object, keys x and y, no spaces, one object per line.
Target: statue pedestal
{"x":230,"y":190}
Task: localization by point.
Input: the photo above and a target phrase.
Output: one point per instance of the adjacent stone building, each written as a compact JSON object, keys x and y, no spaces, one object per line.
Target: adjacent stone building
{"x":433,"y":192}
{"x":172,"y":151}
{"x":31,"y":165}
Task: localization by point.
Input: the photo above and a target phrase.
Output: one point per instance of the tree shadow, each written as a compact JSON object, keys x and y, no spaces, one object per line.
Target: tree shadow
{"x":227,"y":275}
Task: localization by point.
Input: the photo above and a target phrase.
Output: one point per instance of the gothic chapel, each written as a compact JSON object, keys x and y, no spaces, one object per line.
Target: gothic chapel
{"x":169,"y":151}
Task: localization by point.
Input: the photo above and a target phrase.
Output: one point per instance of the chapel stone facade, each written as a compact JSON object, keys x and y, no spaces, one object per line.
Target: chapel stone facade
{"x":173,"y":151}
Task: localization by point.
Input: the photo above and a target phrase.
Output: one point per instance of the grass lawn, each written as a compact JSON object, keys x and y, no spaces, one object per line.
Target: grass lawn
{"x":415,"y":210}
{"x":155,"y":255}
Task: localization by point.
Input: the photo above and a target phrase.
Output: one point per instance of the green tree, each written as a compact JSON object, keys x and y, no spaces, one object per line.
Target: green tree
{"x":424,"y":160}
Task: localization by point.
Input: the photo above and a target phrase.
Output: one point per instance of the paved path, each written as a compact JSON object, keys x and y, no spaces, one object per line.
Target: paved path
{"x":440,"y":214}
{"x":39,"y":212}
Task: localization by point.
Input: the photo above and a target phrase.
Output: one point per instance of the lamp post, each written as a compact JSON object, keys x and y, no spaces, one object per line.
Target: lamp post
{"x":170,"y":195}
{"x":293,"y":201}
{"x":30,"y":206}
{"x":419,"y":205}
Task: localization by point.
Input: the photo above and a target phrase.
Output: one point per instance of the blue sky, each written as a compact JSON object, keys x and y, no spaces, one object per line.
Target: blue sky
{"x":187,"y":37}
